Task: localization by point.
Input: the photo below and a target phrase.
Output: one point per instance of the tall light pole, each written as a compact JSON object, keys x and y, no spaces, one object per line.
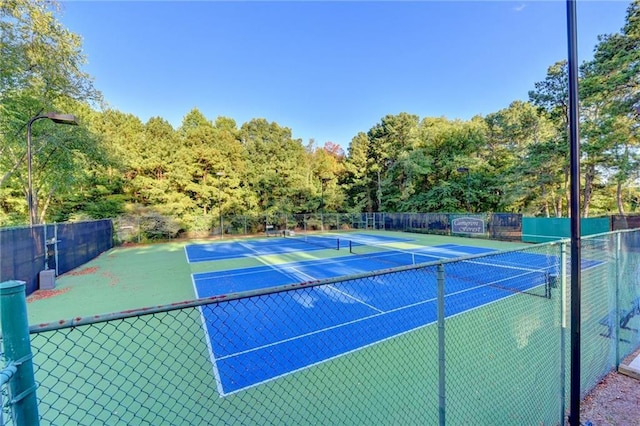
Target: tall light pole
{"x":466,"y":170}
{"x":58,"y":119}
{"x":220,"y":174}
{"x":576,"y":244}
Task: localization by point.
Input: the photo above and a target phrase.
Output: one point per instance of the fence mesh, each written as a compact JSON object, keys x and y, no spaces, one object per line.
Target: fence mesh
{"x":26,"y":251}
{"x":157,"y":369}
{"x":367,"y":349}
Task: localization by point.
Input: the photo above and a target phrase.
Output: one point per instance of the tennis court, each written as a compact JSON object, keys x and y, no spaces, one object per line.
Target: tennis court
{"x":363,"y":312}
{"x":267,"y":246}
{"x":353,"y":347}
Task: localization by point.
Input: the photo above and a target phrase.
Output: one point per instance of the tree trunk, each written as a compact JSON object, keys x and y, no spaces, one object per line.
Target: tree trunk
{"x":46,"y":204}
{"x":567,"y":192}
{"x":588,"y":189}
{"x":545,"y":201}
{"x":379,"y":193}
{"x":619,"y":198}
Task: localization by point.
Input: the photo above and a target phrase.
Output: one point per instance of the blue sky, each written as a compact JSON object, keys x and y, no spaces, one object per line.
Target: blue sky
{"x":327,"y":70}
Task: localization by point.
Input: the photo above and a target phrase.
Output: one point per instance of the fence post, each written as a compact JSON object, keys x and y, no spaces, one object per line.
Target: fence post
{"x":17,"y":350}
{"x":441,"y":349}
{"x":55,"y":246}
{"x":563,"y":330}
{"x":618,"y":268}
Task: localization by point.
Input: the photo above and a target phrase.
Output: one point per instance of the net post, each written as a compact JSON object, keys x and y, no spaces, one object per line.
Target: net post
{"x":350,"y":246}
{"x":441,"y":348}
{"x":17,"y":348}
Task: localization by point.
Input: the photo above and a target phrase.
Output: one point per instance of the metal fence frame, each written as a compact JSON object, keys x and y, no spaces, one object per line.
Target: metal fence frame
{"x":57,"y":248}
{"x":610,"y":330}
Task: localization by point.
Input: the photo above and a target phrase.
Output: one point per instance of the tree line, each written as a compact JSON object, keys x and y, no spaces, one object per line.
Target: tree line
{"x":513,"y":160}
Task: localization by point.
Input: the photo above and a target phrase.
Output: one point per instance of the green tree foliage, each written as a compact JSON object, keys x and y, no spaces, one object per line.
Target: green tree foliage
{"x":514,"y":160}
{"x":278,"y":174}
{"x":610,"y":99}
{"x":40,"y":71}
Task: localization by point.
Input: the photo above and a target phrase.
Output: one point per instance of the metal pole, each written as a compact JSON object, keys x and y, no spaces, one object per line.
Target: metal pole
{"x":220,"y":209}
{"x":468,"y":191}
{"x":29,"y":183}
{"x":17,"y":350}
{"x":441,"y":348}
{"x":55,"y":247}
{"x":220,"y":174}
{"x":58,"y":119}
{"x":563,"y":330}
{"x":322,"y":204}
{"x":46,"y":247}
{"x":618,"y":267}
{"x":574,"y":151}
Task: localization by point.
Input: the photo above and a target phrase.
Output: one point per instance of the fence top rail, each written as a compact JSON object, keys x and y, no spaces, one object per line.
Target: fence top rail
{"x":99,"y":318}
{"x":610,"y":233}
{"x":41,"y":225}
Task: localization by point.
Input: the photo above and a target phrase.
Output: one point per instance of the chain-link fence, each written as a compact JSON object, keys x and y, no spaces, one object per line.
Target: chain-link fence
{"x":479,"y":340}
{"x":153,"y":226}
{"x":59,"y":248}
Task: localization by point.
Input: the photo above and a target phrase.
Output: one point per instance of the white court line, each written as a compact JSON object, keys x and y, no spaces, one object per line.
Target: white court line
{"x":212,"y":355}
{"x":274,"y":267}
{"x":380,"y":312}
{"x":222,"y":394}
{"x":299,"y":272}
{"x":354,"y":298}
{"x":493,"y":265}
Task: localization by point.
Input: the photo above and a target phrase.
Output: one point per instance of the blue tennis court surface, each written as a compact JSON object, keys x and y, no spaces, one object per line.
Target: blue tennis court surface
{"x":263,"y":338}
{"x":266,"y":246}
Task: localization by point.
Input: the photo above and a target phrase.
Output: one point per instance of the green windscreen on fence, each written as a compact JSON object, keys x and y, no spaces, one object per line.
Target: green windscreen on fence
{"x":547,"y":229}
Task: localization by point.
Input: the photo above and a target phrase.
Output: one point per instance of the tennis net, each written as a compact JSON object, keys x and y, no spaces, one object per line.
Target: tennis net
{"x":391,"y":256}
{"x":315,"y":240}
{"x":486,"y":271}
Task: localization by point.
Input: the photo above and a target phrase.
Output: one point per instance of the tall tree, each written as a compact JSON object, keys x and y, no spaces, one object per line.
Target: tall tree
{"x":40,"y":71}
{"x":611,"y":96}
{"x":279,"y":162}
{"x":551,"y":96}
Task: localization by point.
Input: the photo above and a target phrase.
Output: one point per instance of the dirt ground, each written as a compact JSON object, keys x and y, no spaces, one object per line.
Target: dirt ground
{"x":614,"y":401}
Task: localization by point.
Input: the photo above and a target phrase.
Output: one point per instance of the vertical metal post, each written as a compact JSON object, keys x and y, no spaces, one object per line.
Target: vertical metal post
{"x":46,"y":248}
{"x":441,"y":349}
{"x":17,"y":349}
{"x":55,"y":247}
{"x":576,"y":256}
{"x":563,"y":330}
{"x":29,"y":173}
{"x":616,"y":329}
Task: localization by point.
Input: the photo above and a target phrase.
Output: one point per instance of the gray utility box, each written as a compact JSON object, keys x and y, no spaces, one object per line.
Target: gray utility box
{"x":47,"y":279}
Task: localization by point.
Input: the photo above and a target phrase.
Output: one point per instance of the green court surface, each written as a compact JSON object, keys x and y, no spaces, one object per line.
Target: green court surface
{"x":134,"y":277}
{"x":495,"y":355}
